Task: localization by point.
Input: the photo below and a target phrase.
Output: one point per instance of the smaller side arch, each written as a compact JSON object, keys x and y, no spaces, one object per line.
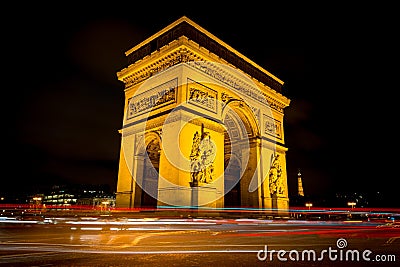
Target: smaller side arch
{"x":147,"y":175}
{"x":145,"y":140}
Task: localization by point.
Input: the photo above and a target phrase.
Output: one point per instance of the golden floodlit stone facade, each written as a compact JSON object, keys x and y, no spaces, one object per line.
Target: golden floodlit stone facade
{"x":202,"y":125}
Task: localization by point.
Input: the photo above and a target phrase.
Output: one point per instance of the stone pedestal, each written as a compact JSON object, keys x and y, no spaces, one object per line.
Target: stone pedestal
{"x":178,"y":196}
{"x":203,"y":196}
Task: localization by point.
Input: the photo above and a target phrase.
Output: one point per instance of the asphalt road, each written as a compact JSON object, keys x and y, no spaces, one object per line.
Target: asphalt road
{"x":124,"y":241}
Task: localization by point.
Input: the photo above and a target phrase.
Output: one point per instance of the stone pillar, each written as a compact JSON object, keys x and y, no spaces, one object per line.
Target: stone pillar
{"x":176,"y":167}
{"x":203,"y":196}
{"x":138,"y":181}
{"x":125,"y":186}
{"x":283,"y":200}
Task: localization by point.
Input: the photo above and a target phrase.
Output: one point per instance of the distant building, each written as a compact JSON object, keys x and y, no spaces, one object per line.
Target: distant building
{"x":89,"y":195}
{"x":60,"y":196}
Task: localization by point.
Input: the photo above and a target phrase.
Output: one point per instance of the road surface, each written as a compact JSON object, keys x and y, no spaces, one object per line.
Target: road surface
{"x":125,"y":241}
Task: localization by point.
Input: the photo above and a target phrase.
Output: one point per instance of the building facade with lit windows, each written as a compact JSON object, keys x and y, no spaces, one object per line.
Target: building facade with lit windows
{"x":82,"y":195}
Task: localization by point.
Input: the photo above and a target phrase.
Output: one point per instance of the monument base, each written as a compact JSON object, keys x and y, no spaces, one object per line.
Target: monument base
{"x":193,"y":197}
{"x":203,"y":196}
{"x":177,"y":196}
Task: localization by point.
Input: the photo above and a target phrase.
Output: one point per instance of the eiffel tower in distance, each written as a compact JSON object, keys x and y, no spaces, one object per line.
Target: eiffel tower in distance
{"x":300,"y":191}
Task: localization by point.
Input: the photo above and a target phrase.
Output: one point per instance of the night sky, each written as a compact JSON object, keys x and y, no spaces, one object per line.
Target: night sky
{"x":63,"y":105}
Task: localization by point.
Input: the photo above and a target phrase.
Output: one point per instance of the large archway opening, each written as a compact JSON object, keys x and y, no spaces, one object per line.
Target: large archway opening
{"x":148,"y":186}
{"x":232,"y":176}
{"x":241,"y":157}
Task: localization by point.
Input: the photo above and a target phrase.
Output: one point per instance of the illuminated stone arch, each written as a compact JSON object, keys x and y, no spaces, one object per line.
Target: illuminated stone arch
{"x":183,"y":80}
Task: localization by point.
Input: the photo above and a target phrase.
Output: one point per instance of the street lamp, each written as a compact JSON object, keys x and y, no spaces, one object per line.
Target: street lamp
{"x":309,"y":205}
{"x":36,"y":201}
{"x":351,"y":204}
{"x":104,"y":205}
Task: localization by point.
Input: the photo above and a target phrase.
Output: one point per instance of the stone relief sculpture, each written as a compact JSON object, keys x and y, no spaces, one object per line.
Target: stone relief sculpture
{"x":201,"y":158}
{"x":156,"y":97}
{"x":276,"y":185}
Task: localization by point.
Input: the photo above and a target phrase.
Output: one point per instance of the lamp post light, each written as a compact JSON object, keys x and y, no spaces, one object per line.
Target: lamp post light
{"x":351,"y":204}
{"x":309,"y":205}
{"x":104,"y":205}
{"x":37,"y":201}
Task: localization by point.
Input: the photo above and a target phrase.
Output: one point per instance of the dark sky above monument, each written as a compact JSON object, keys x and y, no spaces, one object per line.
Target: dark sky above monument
{"x":63,"y":105}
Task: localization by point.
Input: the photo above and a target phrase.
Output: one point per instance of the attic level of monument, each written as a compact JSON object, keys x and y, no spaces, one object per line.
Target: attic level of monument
{"x":184,"y":50}
{"x":186,"y":27}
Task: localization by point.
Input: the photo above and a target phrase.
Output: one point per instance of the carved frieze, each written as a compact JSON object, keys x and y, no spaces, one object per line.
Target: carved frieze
{"x":163,"y":63}
{"x":237,"y":84}
{"x":201,"y":95}
{"x":225,"y":97}
{"x":272,"y":127}
{"x":159,"y":96}
{"x":185,"y":55}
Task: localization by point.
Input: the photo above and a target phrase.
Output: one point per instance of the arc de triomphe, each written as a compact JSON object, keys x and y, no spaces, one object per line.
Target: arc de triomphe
{"x":202,"y":125}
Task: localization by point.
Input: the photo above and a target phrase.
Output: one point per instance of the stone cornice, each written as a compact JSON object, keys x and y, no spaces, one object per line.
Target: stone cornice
{"x":176,"y":52}
{"x":257,"y":91}
{"x":183,"y":51}
{"x":194,"y":32}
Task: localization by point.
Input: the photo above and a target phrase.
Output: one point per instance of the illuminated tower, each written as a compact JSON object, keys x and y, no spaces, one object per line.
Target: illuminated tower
{"x":300,"y":191}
